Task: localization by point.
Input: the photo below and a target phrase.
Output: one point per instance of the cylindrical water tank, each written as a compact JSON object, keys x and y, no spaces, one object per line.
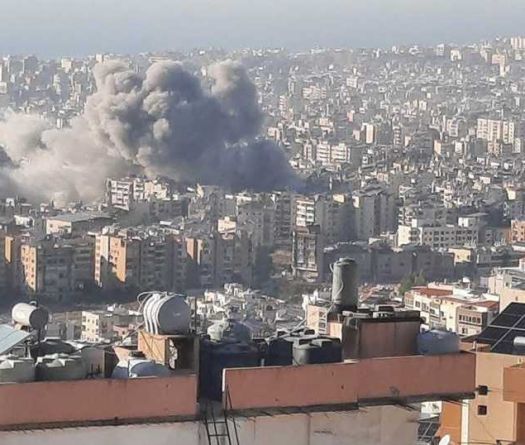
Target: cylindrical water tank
{"x":217,"y":356}
{"x":345,"y":285}
{"x":167,"y":314}
{"x":229,"y":330}
{"x":16,"y":369}
{"x":316,"y":351}
{"x":30,"y":316}
{"x":437,"y":342}
{"x":139,"y":367}
{"x":57,"y":367}
{"x":280,"y":348}
{"x":519,"y":342}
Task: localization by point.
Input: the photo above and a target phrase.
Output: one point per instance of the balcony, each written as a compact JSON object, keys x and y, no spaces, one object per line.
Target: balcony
{"x":388,"y":380}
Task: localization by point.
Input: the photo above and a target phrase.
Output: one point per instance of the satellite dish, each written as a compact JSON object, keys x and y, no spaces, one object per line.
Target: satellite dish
{"x":445,"y":440}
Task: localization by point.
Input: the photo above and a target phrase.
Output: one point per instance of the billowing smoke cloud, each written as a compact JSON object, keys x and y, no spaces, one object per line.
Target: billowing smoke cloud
{"x":163,"y":123}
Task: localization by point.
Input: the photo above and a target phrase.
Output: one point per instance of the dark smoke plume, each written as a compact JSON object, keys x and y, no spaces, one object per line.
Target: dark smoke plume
{"x":163,"y":123}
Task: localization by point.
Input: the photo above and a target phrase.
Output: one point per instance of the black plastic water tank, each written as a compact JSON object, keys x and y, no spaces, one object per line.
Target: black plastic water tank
{"x":317,"y":351}
{"x":280,"y":348}
{"x":217,"y":356}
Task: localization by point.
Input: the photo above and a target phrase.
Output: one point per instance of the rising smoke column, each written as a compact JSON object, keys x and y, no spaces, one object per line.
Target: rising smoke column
{"x":162,"y":123}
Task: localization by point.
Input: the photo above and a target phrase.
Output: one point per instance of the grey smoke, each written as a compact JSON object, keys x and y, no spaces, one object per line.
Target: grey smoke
{"x":162,"y":123}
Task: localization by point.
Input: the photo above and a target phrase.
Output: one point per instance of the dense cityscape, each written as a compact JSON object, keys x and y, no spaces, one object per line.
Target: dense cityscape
{"x":243,"y":188}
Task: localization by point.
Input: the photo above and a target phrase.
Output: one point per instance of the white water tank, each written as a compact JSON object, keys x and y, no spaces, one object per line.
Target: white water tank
{"x":30,"y":315}
{"x":132,"y":368}
{"x":16,"y":369}
{"x":437,"y":342}
{"x":57,"y":367}
{"x":167,"y":314}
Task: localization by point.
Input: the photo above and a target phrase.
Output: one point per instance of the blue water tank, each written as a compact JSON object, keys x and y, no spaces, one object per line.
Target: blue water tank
{"x":437,"y":342}
{"x":139,"y":367}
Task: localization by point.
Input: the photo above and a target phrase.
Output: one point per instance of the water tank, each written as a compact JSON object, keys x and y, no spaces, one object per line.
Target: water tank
{"x":280,"y":347}
{"x":30,"y":315}
{"x":344,"y":285}
{"x":217,"y":356}
{"x":16,"y":369}
{"x":316,"y":351}
{"x":52,"y":346}
{"x":167,"y":314}
{"x":57,"y":367}
{"x":519,"y":343}
{"x":437,"y":342}
{"x":230,"y":329}
{"x":132,"y":368}
{"x":94,"y":360}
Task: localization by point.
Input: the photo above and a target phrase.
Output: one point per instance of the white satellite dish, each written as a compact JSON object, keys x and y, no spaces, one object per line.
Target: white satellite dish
{"x":445,"y":440}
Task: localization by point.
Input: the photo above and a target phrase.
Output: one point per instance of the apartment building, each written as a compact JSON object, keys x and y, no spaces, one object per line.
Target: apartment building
{"x":97,"y":327}
{"x":284,"y":203}
{"x":517,"y":230}
{"x":76,"y":224}
{"x":102,"y":325}
{"x":56,"y":269}
{"x":123,"y":192}
{"x":374,"y":210}
{"x":495,"y":415}
{"x":307,"y":253}
{"x":217,"y":258}
{"x":334,"y":155}
{"x":258,"y":218}
{"x":140,"y":259}
{"x":333,"y":214}
{"x":453,"y":309}
{"x":437,"y":236}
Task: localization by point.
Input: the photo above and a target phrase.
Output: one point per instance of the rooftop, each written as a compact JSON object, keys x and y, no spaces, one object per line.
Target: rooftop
{"x":80,"y":216}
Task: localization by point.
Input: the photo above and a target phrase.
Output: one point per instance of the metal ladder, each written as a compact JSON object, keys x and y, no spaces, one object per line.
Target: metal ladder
{"x":218,"y":429}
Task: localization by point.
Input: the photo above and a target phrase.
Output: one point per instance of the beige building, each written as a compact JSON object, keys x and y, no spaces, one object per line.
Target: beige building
{"x":496,"y":414}
{"x":452,"y":309}
{"x":509,"y":284}
{"x":493,"y":130}
{"x":517,"y":230}
{"x":445,"y":236}
{"x":219,"y":257}
{"x":76,"y":224}
{"x":56,"y":269}
{"x":136,"y":259}
{"x":97,"y":327}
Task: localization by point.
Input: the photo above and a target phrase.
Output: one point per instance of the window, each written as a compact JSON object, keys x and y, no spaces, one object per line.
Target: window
{"x":482,"y":410}
{"x":483,"y":390}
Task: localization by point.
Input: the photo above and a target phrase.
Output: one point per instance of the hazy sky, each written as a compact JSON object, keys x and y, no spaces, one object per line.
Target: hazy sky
{"x":79,"y":27}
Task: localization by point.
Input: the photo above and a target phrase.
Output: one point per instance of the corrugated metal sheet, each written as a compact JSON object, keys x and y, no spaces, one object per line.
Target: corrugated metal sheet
{"x":10,"y":337}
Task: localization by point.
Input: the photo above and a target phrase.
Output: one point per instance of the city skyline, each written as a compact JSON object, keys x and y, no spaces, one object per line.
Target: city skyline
{"x":56,"y":27}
